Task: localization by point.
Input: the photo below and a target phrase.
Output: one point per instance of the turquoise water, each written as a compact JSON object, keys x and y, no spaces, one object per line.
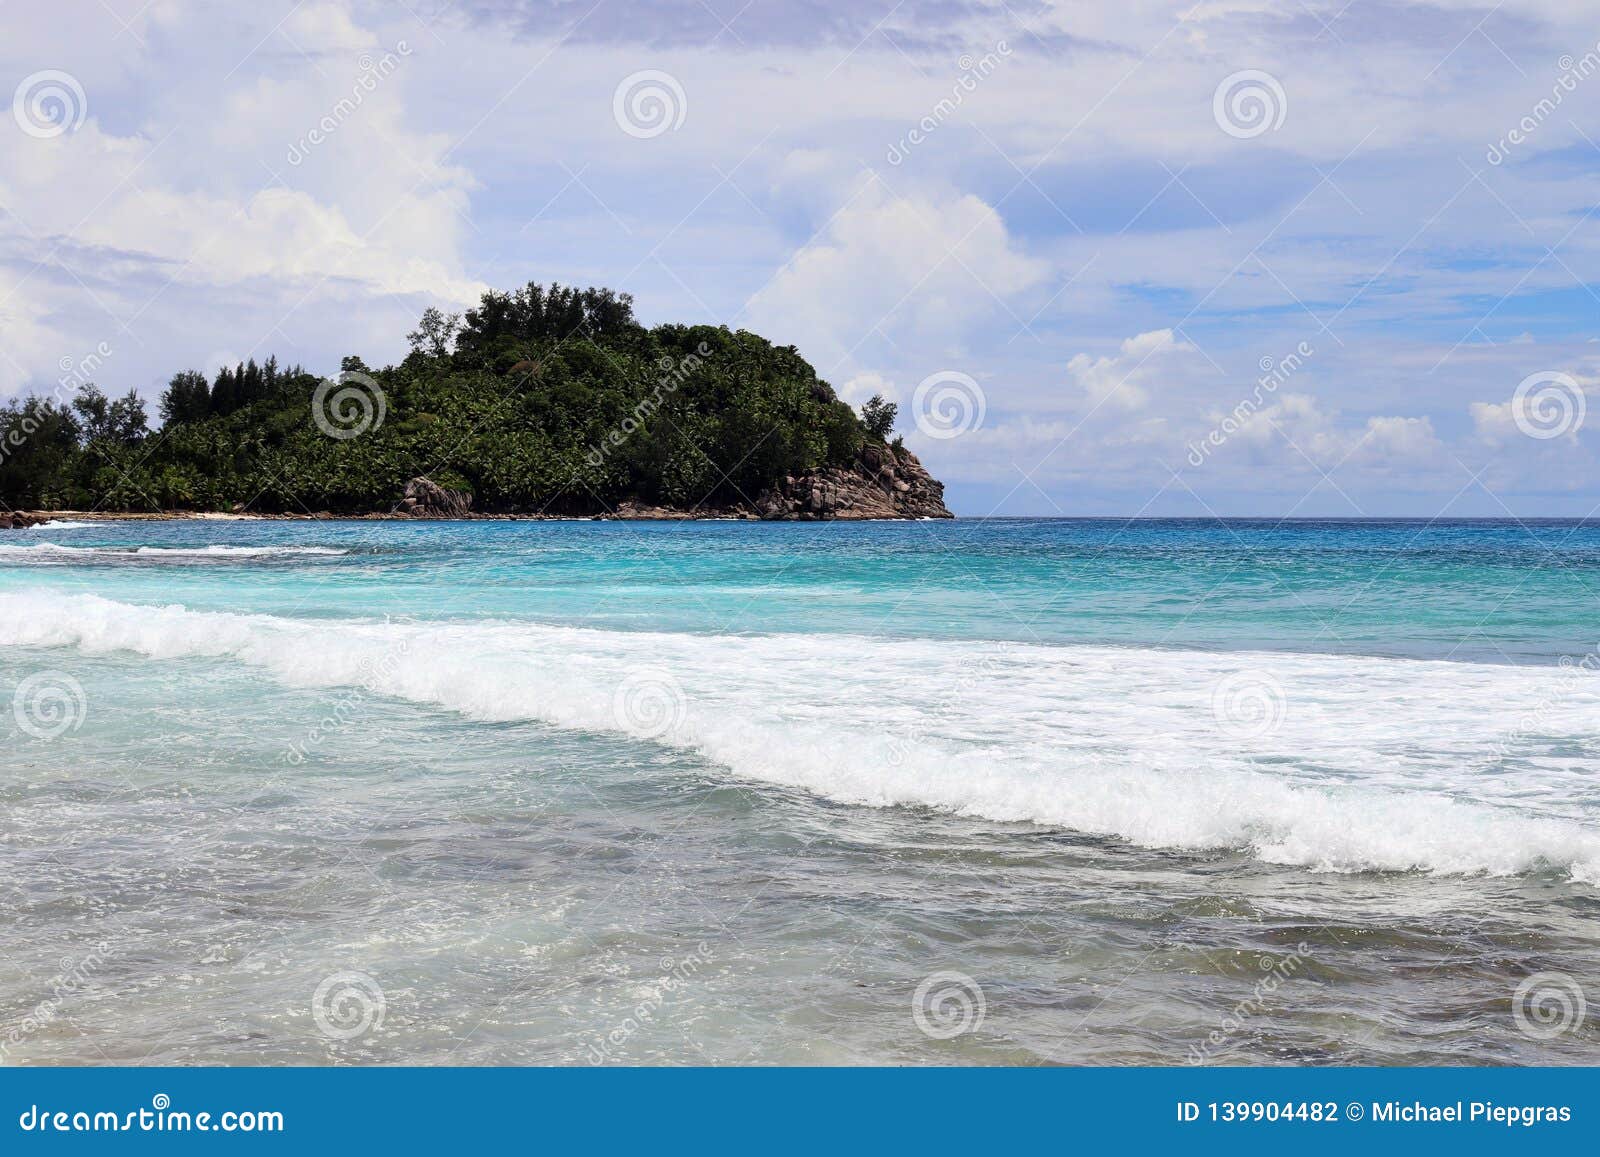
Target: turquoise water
{"x":983,"y":792}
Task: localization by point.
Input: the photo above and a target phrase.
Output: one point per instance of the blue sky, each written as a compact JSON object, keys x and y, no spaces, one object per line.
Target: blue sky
{"x":1115,"y":217}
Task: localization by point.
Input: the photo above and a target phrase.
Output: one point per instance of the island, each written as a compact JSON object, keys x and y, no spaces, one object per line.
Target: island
{"x":540,"y":403}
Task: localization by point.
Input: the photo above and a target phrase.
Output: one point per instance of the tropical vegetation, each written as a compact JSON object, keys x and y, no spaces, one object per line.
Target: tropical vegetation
{"x":553,"y":399}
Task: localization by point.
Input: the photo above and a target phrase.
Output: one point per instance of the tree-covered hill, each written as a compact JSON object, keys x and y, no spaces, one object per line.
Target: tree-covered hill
{"x":552,"y":400}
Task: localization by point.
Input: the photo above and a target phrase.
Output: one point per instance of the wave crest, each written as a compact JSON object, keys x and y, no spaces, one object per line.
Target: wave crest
{"x":216,"y":551}
{"x":1376,"y":764}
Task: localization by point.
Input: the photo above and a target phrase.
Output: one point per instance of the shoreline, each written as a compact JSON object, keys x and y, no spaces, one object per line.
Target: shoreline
{"x":25,"y":519}
{"x":883,"y":484}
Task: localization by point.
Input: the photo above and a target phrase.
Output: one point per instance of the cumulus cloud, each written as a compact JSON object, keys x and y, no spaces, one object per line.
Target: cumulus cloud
{"x":127,"y":220}
{"x":1399,"y":442}
{"x":919,"y":269}
{"x":1059,"y":210}
{"x":863,"y":386}
{"x":1548,"y":406}
{"x":1120,"y":380}
{"x":1297,"y":432}
{"x":1494,"y":422}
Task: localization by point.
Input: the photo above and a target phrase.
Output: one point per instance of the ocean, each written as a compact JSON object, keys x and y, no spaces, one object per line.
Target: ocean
{"x":984,"y":792}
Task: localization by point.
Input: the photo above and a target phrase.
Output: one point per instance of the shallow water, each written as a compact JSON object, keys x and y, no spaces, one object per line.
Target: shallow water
{"x":1007,"y":792}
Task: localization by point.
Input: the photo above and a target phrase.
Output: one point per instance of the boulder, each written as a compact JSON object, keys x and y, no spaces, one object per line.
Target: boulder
{"x":425,"y":498}
{"x":883,"y":482}
{"x":20,"y":519}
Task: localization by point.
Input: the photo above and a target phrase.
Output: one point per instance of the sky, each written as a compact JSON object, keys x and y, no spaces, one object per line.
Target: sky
{"x":1302,"y":258}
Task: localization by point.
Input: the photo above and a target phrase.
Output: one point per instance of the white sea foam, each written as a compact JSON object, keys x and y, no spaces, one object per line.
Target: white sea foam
{"x":58,"y":524}
{"x":45,"y":549}
{"x":1353,"y":763}
{"x":236,"y":551}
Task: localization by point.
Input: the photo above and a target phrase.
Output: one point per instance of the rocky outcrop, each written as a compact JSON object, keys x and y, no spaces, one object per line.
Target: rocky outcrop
{"x":883,"y":482}
{"x":425,"y":498}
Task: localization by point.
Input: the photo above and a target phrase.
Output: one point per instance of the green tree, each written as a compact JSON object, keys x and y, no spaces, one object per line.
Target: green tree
{"x":547,"y":398}
{"x":878,"y":416}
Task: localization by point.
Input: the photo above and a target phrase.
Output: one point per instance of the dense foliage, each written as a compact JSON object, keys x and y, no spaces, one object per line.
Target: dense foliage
{"x":543,"y":399}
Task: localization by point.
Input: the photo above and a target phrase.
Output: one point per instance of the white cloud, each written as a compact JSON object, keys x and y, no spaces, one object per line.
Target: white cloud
{"x":1121,"y":380}
{"x":491,"y":156}
{"x":911,"y":269}
{"x":1398,"y":442}
{"x":1296,"y":434}
{"x":1494,"y":422}
{"x":1552,"y":409}
{"x":185,"y":201}
{"x":863,"y":386}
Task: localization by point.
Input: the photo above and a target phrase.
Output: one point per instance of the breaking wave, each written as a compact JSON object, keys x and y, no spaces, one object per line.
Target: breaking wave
{"x":1334,"y":763}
